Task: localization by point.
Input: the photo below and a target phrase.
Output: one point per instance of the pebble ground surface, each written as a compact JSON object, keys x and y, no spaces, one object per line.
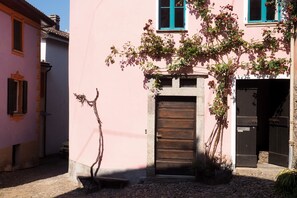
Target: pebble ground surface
{"x":50,"y":179}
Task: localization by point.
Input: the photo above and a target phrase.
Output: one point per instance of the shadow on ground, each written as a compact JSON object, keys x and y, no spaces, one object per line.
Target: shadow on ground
{"x":239,"y":186}
{"x":50,"y":166}
{"x":161,"y":186}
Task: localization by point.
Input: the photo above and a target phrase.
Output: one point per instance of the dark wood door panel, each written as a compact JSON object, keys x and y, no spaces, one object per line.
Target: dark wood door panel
{"x":173,"y":163}
{"x":280,"y":121}
{"x":176,"y":144}
{"x":262,"y":122}
{"x":176,"y":123}
{"x":174,"y":168}
{"x":186,"y":134}
{"x":278,"y":141}
{"x":246,"y":120}
{"x":176,"y":113}
{"x":176,"y":104}
{"x":247,"y":98}
{"x":278,"y":159}
{"x":246,"y":123}
{"x":175,"y":154}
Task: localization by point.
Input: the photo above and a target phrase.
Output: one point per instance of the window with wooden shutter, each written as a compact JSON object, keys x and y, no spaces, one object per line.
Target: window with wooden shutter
{"x":12,"y":96}
{"x":17,"y":96}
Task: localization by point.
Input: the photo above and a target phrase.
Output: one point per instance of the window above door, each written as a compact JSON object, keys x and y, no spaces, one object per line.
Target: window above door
{"x":171,"y":14}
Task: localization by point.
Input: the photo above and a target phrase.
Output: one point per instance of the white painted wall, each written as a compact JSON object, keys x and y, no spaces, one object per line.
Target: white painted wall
{"x":43,"y":50}
{"x":55,"y":52}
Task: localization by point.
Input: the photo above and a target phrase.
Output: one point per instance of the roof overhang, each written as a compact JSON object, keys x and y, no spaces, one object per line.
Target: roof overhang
{"x":29,"y":11}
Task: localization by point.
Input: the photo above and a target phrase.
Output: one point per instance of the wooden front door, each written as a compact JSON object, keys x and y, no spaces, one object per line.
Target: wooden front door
{"x":279,"y":123}
{"x":262,"y":121}
{"x":175,"y":135}
{"x":246,"y":124}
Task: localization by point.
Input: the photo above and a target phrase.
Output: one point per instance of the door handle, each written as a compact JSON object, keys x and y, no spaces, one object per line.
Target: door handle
{"x":158,"y":135}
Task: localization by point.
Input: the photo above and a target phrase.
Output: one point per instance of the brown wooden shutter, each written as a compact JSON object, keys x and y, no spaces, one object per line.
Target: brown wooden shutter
{"x":25,"y":96}
{"x":11,"y":96}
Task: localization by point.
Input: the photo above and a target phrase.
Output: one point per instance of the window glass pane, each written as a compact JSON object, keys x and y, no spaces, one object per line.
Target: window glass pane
{"x":188,"y":82}
{"x":164,"y":18}
{"x":179,"y":3}
{"x":271,"y":12}
{"x":17,"y":30}
{"x":166,"y":82}
{"x":164,"y":3}
{"x":20,"y":96}
{"x":25,"y":96}
{"x":179,"y":17}
{"x":255,"y":10}
{"x":15,"y":96}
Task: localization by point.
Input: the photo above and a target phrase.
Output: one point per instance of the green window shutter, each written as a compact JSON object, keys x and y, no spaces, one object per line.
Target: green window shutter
{"x":11,"y":96}
{"x":25,"y":96}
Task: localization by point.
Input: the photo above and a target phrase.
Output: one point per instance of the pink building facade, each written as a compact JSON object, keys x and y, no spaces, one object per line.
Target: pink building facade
{"x":20,"y":84}
{"x":134,"y":132}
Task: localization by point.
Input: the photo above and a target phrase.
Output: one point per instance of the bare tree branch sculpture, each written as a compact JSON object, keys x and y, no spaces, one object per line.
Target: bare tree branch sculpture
{"x":93,"y":103}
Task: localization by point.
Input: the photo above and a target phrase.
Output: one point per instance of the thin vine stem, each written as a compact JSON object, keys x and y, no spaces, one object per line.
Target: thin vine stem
{"x":93,"y":103}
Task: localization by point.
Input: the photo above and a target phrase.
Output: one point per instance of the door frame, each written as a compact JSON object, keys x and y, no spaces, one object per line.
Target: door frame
{"x":233,"y":111}
{"x":175,"y":90}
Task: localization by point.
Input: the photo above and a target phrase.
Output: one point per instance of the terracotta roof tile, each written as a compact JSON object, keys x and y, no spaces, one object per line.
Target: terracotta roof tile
{"x":58,"y":33}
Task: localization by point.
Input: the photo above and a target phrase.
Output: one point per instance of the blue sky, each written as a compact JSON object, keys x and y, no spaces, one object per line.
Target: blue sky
{"x":59,"y":7}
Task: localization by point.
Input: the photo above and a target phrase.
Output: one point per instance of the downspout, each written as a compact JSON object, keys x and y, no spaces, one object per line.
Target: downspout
{"x":292,"y":82}
{"x":48,"y":68}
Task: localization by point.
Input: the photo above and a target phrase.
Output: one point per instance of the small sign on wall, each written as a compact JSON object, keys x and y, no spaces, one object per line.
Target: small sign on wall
{"x":242,"y":129}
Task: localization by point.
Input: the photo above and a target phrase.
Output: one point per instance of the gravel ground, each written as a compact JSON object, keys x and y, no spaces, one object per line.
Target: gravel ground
{"x":50,"y":179}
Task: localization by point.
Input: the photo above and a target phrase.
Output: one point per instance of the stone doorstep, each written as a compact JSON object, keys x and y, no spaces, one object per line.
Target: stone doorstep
{"x":264,"y":170}
{"x":263,"y":167}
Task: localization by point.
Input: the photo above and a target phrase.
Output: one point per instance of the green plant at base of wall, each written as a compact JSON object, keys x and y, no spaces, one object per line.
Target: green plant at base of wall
{"x":286,"y":183}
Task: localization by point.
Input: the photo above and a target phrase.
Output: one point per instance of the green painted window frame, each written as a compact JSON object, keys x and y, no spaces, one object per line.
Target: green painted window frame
{"x":172,"y":15}
{"x":263,"y":13}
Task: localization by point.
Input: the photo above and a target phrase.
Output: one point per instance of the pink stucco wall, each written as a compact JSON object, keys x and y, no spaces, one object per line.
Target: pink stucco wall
{"x":26,"y":129}
{"x":96,"y":26}
{"x":122,"y":101}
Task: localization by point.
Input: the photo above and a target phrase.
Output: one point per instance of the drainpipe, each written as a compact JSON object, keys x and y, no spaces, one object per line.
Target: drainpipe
{"x":48,"y":67}
{"x":292,"y":82}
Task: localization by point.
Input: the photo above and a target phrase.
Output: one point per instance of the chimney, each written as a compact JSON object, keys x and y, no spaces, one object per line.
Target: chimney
{"x":56,"y":19}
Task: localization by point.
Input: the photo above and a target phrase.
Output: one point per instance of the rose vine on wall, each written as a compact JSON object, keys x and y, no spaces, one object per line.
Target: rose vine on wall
{"x":220,"y":46}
